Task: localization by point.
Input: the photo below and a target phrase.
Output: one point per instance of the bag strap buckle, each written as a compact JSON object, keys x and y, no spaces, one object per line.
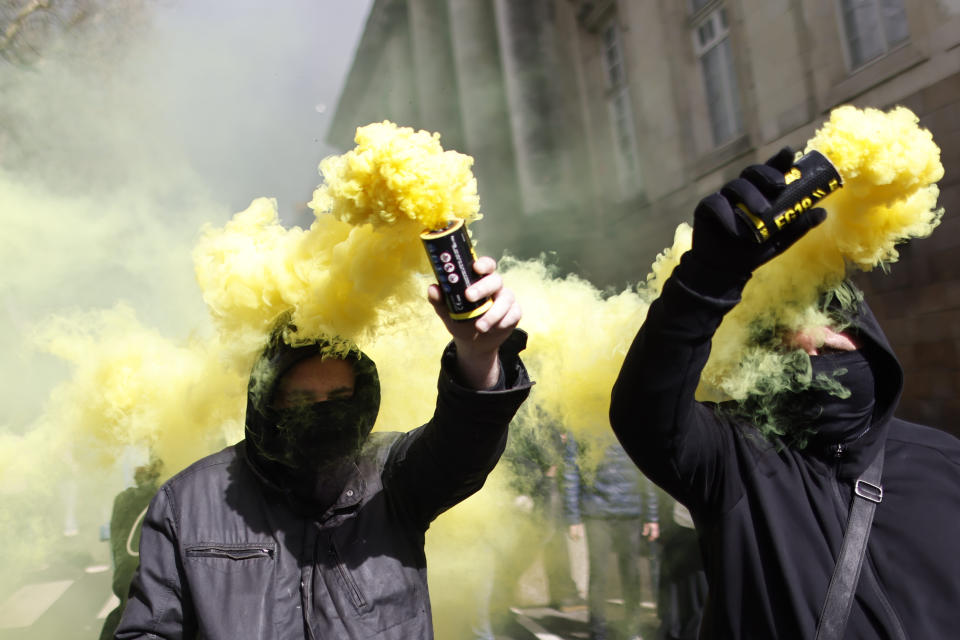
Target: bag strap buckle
{"x":868,"y":491}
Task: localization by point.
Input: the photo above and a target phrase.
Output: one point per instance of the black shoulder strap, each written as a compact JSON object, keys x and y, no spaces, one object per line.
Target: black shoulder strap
{"x":868,"y":492}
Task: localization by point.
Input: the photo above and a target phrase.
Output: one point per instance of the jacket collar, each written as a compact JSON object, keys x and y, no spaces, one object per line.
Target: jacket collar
{"x":350,"y":498}
{"x":352,"y":494}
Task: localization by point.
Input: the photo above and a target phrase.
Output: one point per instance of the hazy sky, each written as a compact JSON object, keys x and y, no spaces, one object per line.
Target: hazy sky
{"x":116,"y":164}
{"x":252,"y":86}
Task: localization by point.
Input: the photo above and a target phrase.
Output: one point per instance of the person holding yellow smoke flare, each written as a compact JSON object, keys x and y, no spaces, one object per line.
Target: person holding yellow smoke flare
{"x":819,"y":513}
{"x":360,"y":259}
{"x":312,"y":526}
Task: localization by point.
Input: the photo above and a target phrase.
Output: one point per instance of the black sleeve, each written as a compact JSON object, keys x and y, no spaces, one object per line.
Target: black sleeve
{"x":437,"y":465}
{"x":159,"y":605}
{"x":676,"y":441}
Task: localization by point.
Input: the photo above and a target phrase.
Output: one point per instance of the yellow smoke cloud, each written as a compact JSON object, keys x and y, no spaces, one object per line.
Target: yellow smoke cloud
{"x":133,"y":393}
{"x":359,"y":260}
{"x":63,"y":249}
{"x":360,"y":272}
{"x":131,"y":386}
{"x":577,"y":340}
{"x":890,"y":166}
{"x":395,"y":175}
{"x":335,"y":278}
{"x":339,"y":278}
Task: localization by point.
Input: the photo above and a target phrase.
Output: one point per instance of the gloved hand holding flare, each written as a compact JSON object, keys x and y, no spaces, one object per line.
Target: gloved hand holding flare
{"x":889,"y":167}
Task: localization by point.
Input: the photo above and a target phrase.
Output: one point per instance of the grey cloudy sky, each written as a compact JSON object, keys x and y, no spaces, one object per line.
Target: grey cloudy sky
{"x":251,"y":86}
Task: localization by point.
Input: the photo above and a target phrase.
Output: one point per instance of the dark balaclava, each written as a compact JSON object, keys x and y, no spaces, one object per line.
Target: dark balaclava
{"x":828,"y":401}
{"x":841,"y":407}
{"x":298,"y":447}
{"x":825,"y":399}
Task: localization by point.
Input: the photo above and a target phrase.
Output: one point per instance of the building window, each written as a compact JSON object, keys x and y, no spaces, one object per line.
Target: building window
{"x":872,"y":27}
{"x":696,"y":5}
{"x":712,"y":46}
{"x":621,"y":113}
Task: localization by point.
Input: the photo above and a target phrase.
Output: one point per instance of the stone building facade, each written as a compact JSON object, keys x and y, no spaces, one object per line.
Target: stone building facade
{"x":596,"y":126}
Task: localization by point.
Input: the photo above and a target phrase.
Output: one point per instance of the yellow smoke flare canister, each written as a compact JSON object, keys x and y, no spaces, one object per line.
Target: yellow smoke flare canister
{"x":398,"y":177}
{"x":452,"y":257}
{"x":810,"y":179}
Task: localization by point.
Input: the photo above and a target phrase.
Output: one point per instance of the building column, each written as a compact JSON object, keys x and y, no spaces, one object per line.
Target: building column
{"x":484,"y":115}
{"x":528,"y":34}
{"x":395,"y":79}
{"x":435,"y":78}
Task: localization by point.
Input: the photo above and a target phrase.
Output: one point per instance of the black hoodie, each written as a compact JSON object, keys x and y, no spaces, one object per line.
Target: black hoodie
{"x":771,"y":517}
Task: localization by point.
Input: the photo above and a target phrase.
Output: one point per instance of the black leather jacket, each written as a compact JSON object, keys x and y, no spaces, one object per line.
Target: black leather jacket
{"x":224,"y":557}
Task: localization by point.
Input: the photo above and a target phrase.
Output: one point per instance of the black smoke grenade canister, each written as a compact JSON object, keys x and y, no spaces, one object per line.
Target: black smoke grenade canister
{"x":452,"y":257}
{"x":811,"y":179}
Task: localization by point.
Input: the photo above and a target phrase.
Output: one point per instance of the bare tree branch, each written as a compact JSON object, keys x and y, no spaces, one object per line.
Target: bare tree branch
{"x":16,"y":28}
{"x":17,"y":24}
{"x":29,"y":30}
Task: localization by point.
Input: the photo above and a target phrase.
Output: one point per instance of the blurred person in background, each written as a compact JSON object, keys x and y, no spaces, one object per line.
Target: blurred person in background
{"x":683,"y":582}
{"x":616,"y":509}
{"x":539,"y":460}
{"x":126,"y":520}
{"x":534,"y":460}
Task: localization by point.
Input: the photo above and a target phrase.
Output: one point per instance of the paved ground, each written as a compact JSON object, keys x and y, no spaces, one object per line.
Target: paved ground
{"x":59,"y":602}
{"x":544,"y":623}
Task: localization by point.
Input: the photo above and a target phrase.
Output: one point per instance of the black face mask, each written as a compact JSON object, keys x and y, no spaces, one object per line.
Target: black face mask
{"x":302,"y":440}
{"x":835,"y":404}
{"x":839,"y":416}
{"x":310,"y":437}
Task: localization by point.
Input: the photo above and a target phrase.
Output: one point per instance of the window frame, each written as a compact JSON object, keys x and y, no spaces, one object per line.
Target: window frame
{"x":696,"y":6}
{"x":716,"y":19}
{"x":620,"y":113}
{"x":848,"y":50}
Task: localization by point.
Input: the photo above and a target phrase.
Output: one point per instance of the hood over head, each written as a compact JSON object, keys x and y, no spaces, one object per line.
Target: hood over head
{"x":860,"y":448}
{"x":300,"y":441}
{"x":840,"y":402}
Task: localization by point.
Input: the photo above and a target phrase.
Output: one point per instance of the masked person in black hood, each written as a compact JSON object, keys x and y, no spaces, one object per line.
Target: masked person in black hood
{"x":823,"y":515}
{"x":313,"y":527}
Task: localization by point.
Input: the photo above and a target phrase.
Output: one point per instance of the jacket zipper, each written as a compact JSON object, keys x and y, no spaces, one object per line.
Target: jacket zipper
{"x":245,"y":553}
{"x":348,"y":580}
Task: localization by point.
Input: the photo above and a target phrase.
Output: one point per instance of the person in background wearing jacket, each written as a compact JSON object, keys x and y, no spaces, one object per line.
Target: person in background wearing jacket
{"x":683,"y":583}
{"x":129,"y":508}
{"x":534,"y":508}
{"x":617,"y":510}
{"x":311,"y":527}
{"x":771,"y":510}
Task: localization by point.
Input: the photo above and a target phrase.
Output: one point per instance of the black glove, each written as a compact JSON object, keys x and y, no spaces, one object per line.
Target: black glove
{"x":725,"y":252}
